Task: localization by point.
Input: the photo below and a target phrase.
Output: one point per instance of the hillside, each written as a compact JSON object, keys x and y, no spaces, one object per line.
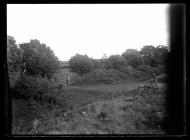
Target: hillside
{"x":125,"y":114}
{"x":125,"y":111}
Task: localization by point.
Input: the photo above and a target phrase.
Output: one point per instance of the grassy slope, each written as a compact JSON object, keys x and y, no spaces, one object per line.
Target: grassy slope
{"x":128,"y":113}
{"x":125,"y":115}
{"x":63,"y":73}
{"x":95,"y":95}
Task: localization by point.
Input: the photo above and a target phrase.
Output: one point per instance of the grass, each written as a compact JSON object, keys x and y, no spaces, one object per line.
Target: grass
{"x":138,"y":115}
{"x":63,"y":73}
{"x":97,"y":76}
{"x":85,"y":94}
{"x":126,"y":113}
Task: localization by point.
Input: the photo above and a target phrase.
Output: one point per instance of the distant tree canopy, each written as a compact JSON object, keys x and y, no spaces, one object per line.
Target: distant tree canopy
{"x":155,"y":55}
{"x":133,"y":57}
{"x":38,"y":59}
{"x":81,"y":64}
{"x":148,"y":50}
{"x":117,"y":61}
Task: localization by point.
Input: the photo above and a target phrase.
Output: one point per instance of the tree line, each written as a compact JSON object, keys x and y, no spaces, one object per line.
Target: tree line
{"x":31,"y":65}
{"x":30,"y":68}
{"x":148,"y":56}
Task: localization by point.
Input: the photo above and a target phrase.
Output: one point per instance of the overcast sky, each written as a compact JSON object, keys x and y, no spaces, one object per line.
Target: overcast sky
{"x":92,"y":29}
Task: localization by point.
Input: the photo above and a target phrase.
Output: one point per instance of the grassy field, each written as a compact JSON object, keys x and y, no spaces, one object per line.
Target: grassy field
{"x":116,"y":108}
{"x":63,"y":73}
{"x":124,"y":112}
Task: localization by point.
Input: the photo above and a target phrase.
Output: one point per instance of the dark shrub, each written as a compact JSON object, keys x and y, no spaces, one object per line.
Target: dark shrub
{"x":39,"y":59}
{"x":133,"y":57}
{"x":81,"y":64}
{"x":117,"y":61}
{"x":26,"y":86}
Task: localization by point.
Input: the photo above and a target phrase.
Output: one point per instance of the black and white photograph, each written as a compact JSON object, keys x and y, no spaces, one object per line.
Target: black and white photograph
{"x":89,"y":69}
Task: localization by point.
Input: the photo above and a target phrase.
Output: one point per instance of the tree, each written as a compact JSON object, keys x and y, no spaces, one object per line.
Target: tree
{"x":14,"y":59}
{"x":133,"y":57}
{"x":117,"y":61}
{"x":148,"y":50}
{"x":148,"y":54}
{"x":81,"y":64}
{"x":105,"y":62}
{"x":154,"y":55}
{"x":38,"y":59}
{"x":161,"y":55}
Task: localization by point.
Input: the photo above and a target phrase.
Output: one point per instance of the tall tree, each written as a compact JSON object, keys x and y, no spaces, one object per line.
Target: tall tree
{"x":38,"y":59}
{"x":14,"y":59}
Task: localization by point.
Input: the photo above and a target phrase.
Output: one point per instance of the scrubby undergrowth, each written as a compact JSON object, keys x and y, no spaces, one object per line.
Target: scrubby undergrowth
{"x":121,"y":115}
{"x":124,"y":114}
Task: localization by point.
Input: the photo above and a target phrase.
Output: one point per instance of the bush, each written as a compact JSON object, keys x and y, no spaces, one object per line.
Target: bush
{"x":117,"y":61}
{"x":132,"y":57}
{"x":26,"y":86}
{"x":39,"y":59}
{"x":81,"y":64}
{"x":145,"y":68}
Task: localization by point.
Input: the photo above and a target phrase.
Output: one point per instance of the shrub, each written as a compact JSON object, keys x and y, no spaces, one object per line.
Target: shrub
{"x":39,"y":59}
{"x":145,"y":68}
{"x":81,"y":64}
{"x":26,"y":86}
{"x":132,"y":57}
{"x":117,"y":61}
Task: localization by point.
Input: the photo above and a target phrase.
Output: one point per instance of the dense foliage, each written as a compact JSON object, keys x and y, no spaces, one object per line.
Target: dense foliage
{"x":81,"y":64}
{"x":117,"y":61}
{"x":28,"y":63}
{"x":38,"y":59}
{"x":27,"y":86}
{"x":14,"y":60}
{"x":132,"y":57}
{"x":155,"y":55}
{"x":130,"y":64}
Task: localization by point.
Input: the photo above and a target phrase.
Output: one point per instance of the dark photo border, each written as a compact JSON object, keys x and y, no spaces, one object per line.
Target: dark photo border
{"x":175,"y":124}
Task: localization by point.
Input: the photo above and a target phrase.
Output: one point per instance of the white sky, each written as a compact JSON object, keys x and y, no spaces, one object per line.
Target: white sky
{"x":91,"y":29}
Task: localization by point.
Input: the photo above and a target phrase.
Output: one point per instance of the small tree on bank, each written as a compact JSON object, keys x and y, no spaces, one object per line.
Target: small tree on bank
{"x":81,"y":64}
{"x":39,"y":59}
{"x":117,"y":61}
